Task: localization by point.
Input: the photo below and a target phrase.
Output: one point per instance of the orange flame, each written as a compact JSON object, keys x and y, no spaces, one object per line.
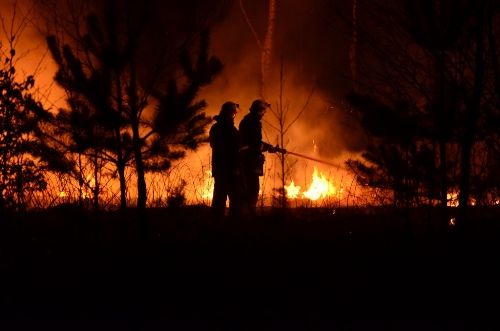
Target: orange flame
{"x":292,"y":190}
{"x":319,"y":188}
{"x":452,"y":199}
{"x":207,"y":191}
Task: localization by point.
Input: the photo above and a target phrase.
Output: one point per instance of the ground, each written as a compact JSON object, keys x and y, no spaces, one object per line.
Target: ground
{"x":304,"y":269}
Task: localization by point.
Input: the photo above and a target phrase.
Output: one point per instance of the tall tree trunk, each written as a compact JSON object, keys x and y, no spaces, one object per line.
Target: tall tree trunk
{"x":443,"y":137}
{"x":493,"y":49}
{"x":465,"y":170}
{"x":139,"y":167}
{"x":120,"y":164}
{"x":443,"y":198}
{"x":2,"y":203}
{"x":135,"y":114}
{"x":3,"y":183}
{"x":80,"y":181}
{"x":21,"y":203}
{"x":96,"y":180}
{"x":267,"y":47}
{"x":136,"y":141}
{"x":472,"y":109}
{"x":283,"y":177}
{"x":281,"y":113}
{"x":354,"y":45}
{"x":123,"y":184}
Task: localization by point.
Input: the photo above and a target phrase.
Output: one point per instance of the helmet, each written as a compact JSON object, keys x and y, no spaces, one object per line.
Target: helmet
{"x":229,"y":109}
{"x":259,"y":104}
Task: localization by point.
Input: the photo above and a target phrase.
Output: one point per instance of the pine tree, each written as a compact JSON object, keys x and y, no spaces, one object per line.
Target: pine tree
{"x":180,"y":122}
{"x":108,"y":90}
{"x":93,"y":80}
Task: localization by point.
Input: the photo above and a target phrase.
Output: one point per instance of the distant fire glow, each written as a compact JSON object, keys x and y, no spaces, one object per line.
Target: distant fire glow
{"x":452,"y":199}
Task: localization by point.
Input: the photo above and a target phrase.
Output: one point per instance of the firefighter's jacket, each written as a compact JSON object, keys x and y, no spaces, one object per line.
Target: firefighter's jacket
{"x":252,"y":158}
{"x":224,"y":140}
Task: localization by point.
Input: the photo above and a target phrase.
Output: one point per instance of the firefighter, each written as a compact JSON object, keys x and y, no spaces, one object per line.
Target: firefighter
{"x":224,"y":140}
{"x":251,"y":151}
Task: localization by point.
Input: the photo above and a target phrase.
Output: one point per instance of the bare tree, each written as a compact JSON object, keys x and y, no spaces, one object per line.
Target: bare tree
{"x":282,"y":115}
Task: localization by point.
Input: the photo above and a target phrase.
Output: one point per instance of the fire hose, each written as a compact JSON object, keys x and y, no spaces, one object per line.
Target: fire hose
{"x":284,"y":151}
{"x":312,"y":158}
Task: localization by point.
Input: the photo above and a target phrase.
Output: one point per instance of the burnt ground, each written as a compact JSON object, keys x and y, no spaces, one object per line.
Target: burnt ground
{"x":305,"y":269}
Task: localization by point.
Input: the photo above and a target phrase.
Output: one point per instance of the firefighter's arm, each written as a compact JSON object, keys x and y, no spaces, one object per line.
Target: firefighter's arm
{"x":272,"y":149}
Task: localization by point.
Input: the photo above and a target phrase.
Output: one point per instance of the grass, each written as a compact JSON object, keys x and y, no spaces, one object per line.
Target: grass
{"x":301,"y":268}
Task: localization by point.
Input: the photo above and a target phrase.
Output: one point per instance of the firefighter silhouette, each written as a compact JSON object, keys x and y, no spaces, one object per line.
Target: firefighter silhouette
{"x":251,"y":153}
{"x":224,"y":140}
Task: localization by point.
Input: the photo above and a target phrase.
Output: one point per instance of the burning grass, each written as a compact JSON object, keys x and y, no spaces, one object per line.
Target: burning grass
{"x":191,"y":183}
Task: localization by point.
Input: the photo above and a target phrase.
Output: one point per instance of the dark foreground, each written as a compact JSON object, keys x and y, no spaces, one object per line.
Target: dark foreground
{"x":306,"y":270}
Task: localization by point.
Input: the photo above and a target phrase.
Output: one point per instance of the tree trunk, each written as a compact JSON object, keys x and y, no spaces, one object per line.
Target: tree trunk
{"x":444,"y":182}
{"x":443,"y":137}
{"x":123,"y":189}
{"x":283,"y":177}
{"x":465,"y":170}
{"x":1,"y":200}
{"x":472,"y":109}
{"x":96,"y":181}
{"x":493,"y":49}
{"x":3,"y":184}
{"x":120,"y":164}
{"x":267,"y":47}
{"x":139,"y":167}
{"x":135,"y":115}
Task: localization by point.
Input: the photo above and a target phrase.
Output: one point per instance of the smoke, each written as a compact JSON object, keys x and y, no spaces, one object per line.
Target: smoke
{"x":307,"y":40}
{"x":314,"y":56}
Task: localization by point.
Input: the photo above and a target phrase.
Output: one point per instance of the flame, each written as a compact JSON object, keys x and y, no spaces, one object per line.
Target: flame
{"x":292,"y":190}
{"x":62,"y":194}
{"x":91,"y":180}
{"x":320,"y":187}
{"x":207,"y":190}
{"x":452,"y":199}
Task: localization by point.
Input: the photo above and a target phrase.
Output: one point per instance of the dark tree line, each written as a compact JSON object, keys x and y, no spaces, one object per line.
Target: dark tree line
{"x":427,"y":97}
